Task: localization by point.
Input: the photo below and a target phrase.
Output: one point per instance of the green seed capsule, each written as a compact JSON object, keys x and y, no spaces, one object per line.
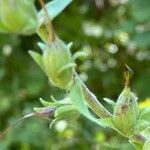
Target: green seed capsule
{"x":18,"y":16}
{"x":58,"y":64}
{"x":126,"y":112}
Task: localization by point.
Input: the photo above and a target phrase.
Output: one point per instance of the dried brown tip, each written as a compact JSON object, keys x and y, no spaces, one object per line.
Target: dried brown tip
{"x":127,"y":75}
{"x":127,"y":78}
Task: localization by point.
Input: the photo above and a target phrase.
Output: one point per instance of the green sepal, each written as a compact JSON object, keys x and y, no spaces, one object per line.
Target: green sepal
{"x":109,"y":101}
{"x":45,"y":103}
{"x":67,"y":113}
{"x":56,"y":103}
{"x":79,"y":54}
{"x":69,"y":65}
{"x":37,"y":58}
{"x":66,"y":100}
{"x":53,"y":98}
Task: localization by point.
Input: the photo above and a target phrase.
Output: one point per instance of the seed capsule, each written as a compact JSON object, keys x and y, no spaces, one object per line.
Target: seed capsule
{"x":126,"y":112}
{"x":58,"y":64}
{"x":18,"y":16}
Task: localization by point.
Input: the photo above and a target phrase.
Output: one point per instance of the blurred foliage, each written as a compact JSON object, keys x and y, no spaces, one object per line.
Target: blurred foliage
{"x":115,"y":32}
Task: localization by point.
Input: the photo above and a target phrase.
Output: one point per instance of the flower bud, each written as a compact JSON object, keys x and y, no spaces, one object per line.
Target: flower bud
{"x":18,"y":16}
{"x":126,"y":112}
{"x":58,"y":64}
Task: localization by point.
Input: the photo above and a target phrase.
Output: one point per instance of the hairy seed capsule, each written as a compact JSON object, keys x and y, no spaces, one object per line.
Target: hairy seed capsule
{"x":58,"y":64}
{"x":126,"y":113}
{"x":18,"y":16}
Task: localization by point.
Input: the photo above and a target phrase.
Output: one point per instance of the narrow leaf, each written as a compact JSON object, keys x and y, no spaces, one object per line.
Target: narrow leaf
{"x":45,"y":103}
{"x":54,"y":8}
{"x":76,"y":95}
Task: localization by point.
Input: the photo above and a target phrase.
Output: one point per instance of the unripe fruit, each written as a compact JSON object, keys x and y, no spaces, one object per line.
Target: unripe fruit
{"x":18,"y":16}
{"x":58,"y":64}
{"x":126,"y":112}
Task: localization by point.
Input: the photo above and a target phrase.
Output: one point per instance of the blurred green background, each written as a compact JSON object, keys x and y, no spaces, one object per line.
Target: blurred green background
{"x":114,"y":32}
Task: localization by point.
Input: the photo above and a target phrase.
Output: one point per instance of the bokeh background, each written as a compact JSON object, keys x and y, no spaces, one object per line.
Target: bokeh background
{"x":115,"y":33}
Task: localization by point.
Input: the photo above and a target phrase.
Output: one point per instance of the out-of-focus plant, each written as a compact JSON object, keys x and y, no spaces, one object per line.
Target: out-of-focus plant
{"x":58,"y":64}
{"x":18,"y":16}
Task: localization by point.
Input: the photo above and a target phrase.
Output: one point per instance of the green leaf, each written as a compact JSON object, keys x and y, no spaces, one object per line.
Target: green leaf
{"x":136,"y":145}
{"x":80,"y":54}
{"x":42,"y":46}
{"x":66,"y":101}
{"x":69,"y":45}
{"x":77,"y":97}
{"x":37,"y":58}
{"x":45,"y":103}
{"x":69,"y":65}
{"x":37,"y":109}
{"x":54,"y":8}
{"x":145,"y":114}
